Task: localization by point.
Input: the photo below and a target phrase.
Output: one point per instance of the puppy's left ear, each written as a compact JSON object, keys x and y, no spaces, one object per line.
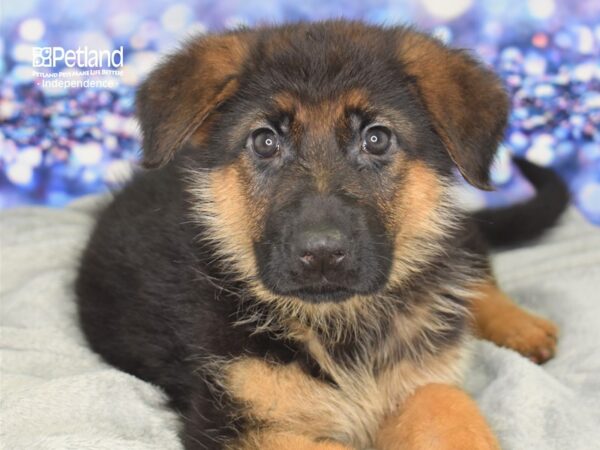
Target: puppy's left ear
{"x":466,"y":101}
{"x":180,"y":94}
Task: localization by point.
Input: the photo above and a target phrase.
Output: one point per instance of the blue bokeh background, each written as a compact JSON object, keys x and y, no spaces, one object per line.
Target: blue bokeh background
{"x":58,"y":144}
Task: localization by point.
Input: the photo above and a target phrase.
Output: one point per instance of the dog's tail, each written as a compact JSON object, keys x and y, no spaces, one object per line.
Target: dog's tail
{"x":524,"y":221}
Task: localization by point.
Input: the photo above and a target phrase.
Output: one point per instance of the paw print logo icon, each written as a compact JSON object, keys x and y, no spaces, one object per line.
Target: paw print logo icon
{"x":42,"y":56}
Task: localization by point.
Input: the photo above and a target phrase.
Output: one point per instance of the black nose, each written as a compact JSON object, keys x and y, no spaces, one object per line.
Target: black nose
{"x":321,"y":250}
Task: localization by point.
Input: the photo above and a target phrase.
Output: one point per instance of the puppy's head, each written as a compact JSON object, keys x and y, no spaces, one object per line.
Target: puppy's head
{"x":319,"y":155}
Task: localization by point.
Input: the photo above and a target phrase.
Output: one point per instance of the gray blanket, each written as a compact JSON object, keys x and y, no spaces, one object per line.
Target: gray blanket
{"x":57,"y":394}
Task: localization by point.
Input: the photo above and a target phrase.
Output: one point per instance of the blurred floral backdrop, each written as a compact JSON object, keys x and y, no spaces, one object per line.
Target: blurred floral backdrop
{"x":59,"y":143}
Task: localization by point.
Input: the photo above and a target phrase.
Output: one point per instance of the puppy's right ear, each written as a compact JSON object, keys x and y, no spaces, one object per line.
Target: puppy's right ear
{"x":185,"y":89}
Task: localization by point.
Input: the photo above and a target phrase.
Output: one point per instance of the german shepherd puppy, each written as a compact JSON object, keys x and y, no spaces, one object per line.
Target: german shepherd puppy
{"x":295,"y":273}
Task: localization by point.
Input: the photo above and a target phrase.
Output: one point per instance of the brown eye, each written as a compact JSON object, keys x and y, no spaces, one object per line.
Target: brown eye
{"x":265,"y":142}
{"x":376,"y":140}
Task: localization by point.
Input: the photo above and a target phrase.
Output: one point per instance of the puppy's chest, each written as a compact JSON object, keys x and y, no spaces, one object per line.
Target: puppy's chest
{"x":350,"y":407}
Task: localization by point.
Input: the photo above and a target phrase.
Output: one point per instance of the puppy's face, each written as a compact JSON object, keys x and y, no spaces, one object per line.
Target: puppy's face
{"x":333,"y":181}
{"x":319,"y":156}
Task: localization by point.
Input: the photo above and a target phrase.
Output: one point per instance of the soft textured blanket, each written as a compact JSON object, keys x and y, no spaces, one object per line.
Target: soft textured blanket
{"x":57,"y":394}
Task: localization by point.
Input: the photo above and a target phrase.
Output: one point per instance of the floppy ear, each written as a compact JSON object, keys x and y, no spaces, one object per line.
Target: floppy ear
{"x":184,"y":89}
{"x":466,"y":101}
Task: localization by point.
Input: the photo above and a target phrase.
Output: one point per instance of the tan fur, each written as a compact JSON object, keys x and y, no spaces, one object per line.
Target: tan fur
{"x":272,"y":440}
{"x":224,"y":54}
{"x":419,"y":216}
{"x":202,"y":133}
{"x":424,"y":57}
{"x":498,"y":319}
{"x":199,"y":127}
{"x":285,"y":102}
{"x":231,"y":226}
{"x":222,"y":206}
{"x":437,"y":417}
{"x":416,"y":202}
{"x":457,"y":93}
{"x":319,"y":121}
{"x":413,"y":324}
{"x":288,"y":408}
{"x":283,"y":398}
{"x":322,"y":117}
{"x":195,"y":82}
{"x":288,"y":400}
{"x":334,"y":321}
{"x":226,"y":204}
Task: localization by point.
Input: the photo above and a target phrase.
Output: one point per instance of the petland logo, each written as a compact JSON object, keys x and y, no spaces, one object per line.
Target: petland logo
{"x":82,"y":57}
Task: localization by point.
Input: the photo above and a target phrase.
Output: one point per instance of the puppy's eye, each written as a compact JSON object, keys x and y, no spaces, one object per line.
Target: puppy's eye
{"x":265,"y":142}
{"x":376,"y":140}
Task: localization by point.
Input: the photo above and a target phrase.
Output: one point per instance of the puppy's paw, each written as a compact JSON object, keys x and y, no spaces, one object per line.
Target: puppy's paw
{"x":437,"y":417}
{"x":465,"y":439}
{"x":461,"y":437}
{"x":528,"y":334}
{"x":269,"y":440}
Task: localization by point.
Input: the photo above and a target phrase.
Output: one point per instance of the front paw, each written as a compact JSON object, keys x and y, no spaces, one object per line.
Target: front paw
{"x":462,"y":437}
{"x":460,"y":440}
{"x":437,"y":417}
{"x":528,"y":334}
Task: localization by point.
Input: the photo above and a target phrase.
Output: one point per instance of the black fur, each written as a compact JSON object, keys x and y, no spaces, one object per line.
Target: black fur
{"x":152,"y":304}
{"x":522,"y":222}
{"x":153,"y":298}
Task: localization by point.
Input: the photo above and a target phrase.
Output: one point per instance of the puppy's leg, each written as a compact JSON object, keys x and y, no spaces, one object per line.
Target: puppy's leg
{"x":437,"y":417}
{"x":266,"y":440}
{"x":498,"y":319}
